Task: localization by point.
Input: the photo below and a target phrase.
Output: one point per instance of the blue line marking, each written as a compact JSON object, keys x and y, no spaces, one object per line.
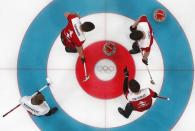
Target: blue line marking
{"x":172,"y":41}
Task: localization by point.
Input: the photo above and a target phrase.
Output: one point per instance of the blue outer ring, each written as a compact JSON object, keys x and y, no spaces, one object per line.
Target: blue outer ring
{"x":177,"y":57}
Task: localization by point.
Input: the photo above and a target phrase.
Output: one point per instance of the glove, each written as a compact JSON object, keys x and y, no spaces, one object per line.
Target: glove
{"x":155,"y":95}
{"x":145,"y":61}
{"x":38,"y":92}
{"x":83,"y":60}
{"x":132,"y":29}
{"x":126,"y":72}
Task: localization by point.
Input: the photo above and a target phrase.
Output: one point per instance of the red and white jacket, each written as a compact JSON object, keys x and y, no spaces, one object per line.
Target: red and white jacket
{"x":142,"y":100}
{"x":72,"y":34}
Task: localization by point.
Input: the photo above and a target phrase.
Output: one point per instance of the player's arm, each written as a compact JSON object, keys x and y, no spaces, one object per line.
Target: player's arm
{"x":134,"y":26}
{"x":125,"y":83}
{"x":23,"y":100}
{"x":153,"y":93}
{"x":45,"y":109}
{"x":147,"y":49}
{"x":81,"y":53}
{"x":145,"y":55}
{"x":146,"y":52}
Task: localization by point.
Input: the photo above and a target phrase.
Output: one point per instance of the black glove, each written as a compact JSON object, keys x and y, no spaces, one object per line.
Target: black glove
{"x":48,"y":84}
{"x":83,"y":60}
{"x":126,"y":72}
{"x":145,"y":61}
{"x":132,"y":29}
{"x":155,"y":95}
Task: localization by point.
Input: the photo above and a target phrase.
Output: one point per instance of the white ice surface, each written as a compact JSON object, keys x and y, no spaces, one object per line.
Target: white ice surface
{"x":15,"y":17}
{"x":70,"y":95}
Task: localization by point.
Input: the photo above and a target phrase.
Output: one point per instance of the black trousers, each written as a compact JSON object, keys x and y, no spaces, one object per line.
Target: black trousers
{"x":128,"y":110}
{"x":135,"y":48}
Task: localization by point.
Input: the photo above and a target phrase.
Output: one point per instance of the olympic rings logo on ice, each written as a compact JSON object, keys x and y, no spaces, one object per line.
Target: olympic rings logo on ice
{"x":25,"y":53}
{"x":105,"y":68}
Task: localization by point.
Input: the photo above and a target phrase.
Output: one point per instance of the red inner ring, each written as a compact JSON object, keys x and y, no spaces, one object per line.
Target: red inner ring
{"x":96,"y":87}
